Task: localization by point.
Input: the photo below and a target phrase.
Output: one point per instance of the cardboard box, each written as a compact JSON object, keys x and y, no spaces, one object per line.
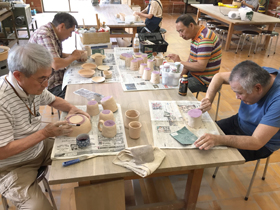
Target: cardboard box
{"x":95,"y":38}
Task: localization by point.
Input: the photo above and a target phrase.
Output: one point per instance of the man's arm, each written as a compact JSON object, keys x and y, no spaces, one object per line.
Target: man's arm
{"x":200,"y":65}
{"x":60,"y":63}
{"x":253,"y":6}
{"x":20,"y":145}
{"x":262,"y":134}
{"x":65,"y":106}
{"x":215,"y":85}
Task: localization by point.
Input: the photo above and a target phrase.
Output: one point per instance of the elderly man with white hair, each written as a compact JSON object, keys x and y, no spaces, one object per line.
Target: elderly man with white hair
{"x":24,"y":146}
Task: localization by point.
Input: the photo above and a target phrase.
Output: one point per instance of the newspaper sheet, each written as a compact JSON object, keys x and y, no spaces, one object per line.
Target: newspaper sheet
{"x":170,"y":116}
{"x":66,"y":147}
{"x":71,"y":75}
{"x":132,"y":80}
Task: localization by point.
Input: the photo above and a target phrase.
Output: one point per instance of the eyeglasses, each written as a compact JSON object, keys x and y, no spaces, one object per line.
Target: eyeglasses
{"x":42,"y":80}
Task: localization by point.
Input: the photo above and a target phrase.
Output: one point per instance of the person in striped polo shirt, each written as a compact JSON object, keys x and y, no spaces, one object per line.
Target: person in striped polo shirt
{"x":205,"y":53}
{"x":24,"y":145}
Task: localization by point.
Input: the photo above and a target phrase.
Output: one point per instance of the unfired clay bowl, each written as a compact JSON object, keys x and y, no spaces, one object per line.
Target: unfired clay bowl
{"x":89,"y":66}
{"x":98,"y":79}
{"x":93,"y":56}
{"x":86,"y":72}
{"x":108,"y":74}
{"x":85,"y":124}
{"x":103,"y":67}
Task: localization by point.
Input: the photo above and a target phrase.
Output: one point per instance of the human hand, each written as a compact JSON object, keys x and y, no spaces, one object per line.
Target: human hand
{"x":83,"y":57}
{"x":77,"y":54}
{"x":136,"y":13}
{"x":75,"y":110}
{"x":174,"y":57}
{"x":61,"y":128}
{"x":207,"y":141}
{"x":205,"y":105}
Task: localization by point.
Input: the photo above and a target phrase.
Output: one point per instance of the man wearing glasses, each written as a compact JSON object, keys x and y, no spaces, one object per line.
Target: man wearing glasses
{"x":51,"y":37}
{"x":24,"y":146}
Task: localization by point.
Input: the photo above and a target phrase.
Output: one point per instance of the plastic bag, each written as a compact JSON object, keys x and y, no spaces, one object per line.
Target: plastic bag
{"x":246,"y":13}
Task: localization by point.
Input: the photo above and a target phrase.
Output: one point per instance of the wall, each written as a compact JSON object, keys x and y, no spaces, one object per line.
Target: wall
{"x":36,"y":4}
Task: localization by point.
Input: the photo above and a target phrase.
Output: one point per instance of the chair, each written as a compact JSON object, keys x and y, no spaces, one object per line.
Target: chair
{"x":250,"y":35}
{"x":222,"y":30}
{"x":58,"y":112}
{"x":178,"y":3}
{"x":41,"y":176}
{"x":212,"y":25}
{"x":218,"y":103}
{"x":271,"y":34}
{"x":203,"y":19}
{"x":253,"y":176}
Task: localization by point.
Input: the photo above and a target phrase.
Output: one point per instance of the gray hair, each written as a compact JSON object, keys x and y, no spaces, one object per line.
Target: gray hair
{"x":29,"y":58}
{"x":248,"y":74}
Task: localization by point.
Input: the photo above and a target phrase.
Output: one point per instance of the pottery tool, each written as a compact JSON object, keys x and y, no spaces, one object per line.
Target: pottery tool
{"x":74,"y":161}
{"x":225,"y":5}
{"x":84,"y":24}
{"x":97,"y":22}
{"x":68,"y":123}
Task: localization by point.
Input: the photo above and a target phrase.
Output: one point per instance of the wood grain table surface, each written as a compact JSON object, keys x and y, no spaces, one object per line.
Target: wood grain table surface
{"x":220,"y":13}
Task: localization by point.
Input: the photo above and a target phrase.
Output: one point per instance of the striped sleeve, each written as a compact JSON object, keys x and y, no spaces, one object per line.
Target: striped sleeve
{"x":6,"y":128}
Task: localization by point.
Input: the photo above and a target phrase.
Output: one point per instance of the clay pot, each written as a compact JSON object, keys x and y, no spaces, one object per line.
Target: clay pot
{"x":128,"y":59}
{"x":134,"y":129}
{"x":155,"y":78}
{"x":107,"y":74}
{"x":83,"y":140}
{"x":98,"y":60}
{"x":236,"y":3}
{"x":140,"y":60}
{"x":147,"y":74}
{"x":85,"y":124}
{"x":108,"y":128}
{"x":142,"y":67}
{"x":106,"y":115}
{"x":150,"y":64}
{"x":109,"y":102}
{"x":145,"y":58}
{"x":88,"y":49}
{"x":159,"y":60}
{"x":137,"y":55}
{"x":131,"y":115}
{"x":4,"y":53}
{"x":92,"y":108}
{"x":134,"y":65}
{"x":194,"y":118}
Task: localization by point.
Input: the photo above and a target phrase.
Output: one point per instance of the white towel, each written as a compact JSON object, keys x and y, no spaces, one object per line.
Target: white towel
{"x":145,"y":153}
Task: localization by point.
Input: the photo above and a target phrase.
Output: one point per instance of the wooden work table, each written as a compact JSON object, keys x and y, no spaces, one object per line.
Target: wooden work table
{"x":106,"y":13}
{"x":220,"y":13}
{"x":102,"y":171}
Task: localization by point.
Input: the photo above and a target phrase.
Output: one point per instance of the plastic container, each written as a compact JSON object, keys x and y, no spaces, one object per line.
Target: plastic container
{"x":165,"y":78}
{"x":136,"y":43}
{"x":175,"y":79}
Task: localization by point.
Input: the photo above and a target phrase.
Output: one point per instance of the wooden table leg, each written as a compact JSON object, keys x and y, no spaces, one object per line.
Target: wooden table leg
{"x":229,"y":35}
{"x":192,"y":188}
{"x":197,"y":16}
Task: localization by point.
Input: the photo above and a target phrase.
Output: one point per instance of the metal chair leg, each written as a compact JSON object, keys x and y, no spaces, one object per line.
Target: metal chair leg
{"x":244,"y":40}
{"x":252,"y":40}
{"x":238,"y":43}
{"x":46,"y":185}
{"x":276,"y":44}
{"x":197,"y":94}
{"x":257,"y":43}
{"x":265,"y":168}
{"x":215,"y":173}
{"x":269,"y":45}
{"x":252,"y":180}
{"x":5,"y":203}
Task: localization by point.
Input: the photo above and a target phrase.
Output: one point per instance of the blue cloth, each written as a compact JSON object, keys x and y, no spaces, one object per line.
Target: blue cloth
{"x":266,"y":111}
